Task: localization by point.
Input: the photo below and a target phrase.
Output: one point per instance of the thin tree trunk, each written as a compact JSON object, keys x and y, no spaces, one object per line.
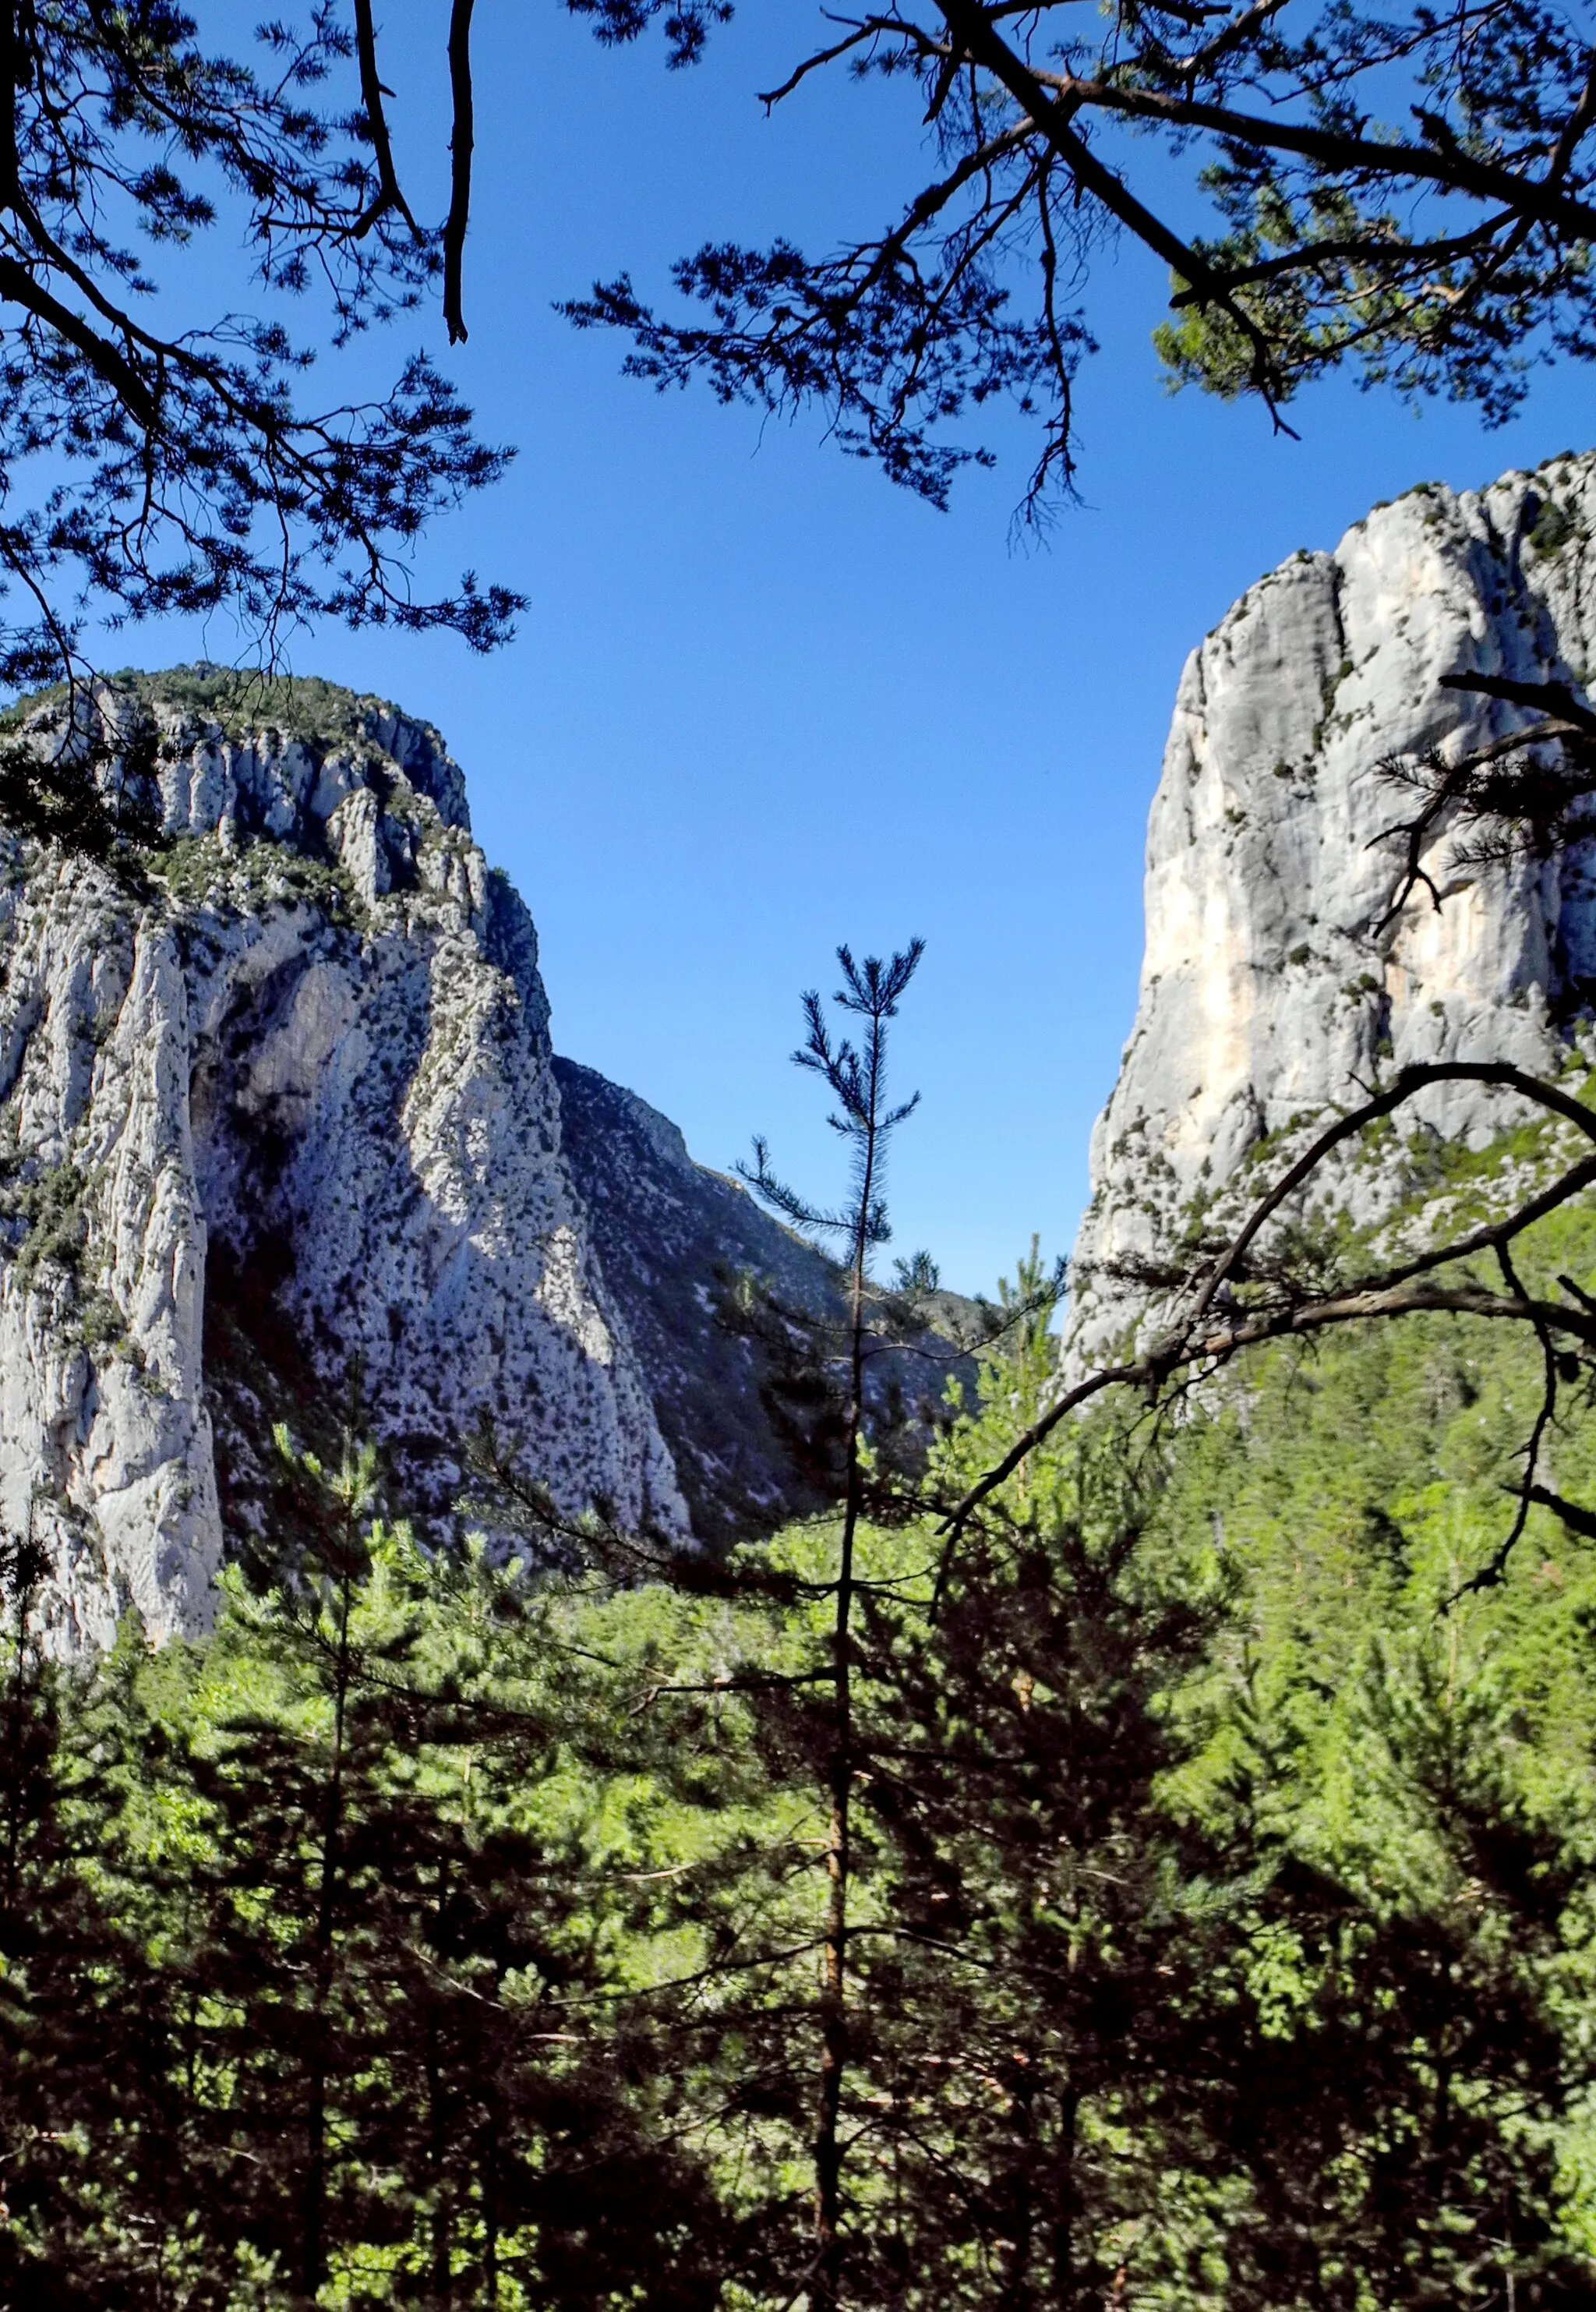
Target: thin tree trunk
{"x":834,"y":2008}
{"x":25,"y":1573}
{"x":857,"y":1081}
{"x":833,"y":2013}
{"x":1019,"y":2286}
{"x":490,"y":2201}
{"x":492,"y":2053}
{"x":438,"y":2150}
{"x":1064,"y":2207}
{"x":437,"y":2124}
{"x":314,"y":2254}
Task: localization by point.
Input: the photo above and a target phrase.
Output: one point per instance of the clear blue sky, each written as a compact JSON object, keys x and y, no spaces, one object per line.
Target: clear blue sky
{"x":761,"y":701}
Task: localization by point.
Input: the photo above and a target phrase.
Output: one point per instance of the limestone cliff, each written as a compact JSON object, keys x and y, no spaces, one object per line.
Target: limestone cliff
{"x":280,"y":1106}
{"x":1268,"y":987}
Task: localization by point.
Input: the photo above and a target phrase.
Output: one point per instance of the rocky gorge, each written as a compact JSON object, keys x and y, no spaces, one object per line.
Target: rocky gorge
{"x":281,"y":1126}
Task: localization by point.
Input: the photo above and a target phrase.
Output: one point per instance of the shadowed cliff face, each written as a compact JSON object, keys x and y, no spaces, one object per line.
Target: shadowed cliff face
{"x":671,"y":1236}
{"x":311,"y":1057}
{"x":673,"y":1240}
{"x":1270,"y":988}
{"x":283,"y":1139}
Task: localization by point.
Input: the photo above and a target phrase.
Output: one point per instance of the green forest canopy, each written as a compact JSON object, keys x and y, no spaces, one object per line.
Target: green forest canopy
{"x":440,"y":1933}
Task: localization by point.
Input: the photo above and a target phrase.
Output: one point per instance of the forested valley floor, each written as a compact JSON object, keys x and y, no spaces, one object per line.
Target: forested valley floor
{"x":441,"y":1932}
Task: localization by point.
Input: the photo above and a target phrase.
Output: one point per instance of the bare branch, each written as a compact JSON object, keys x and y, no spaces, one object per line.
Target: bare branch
{"x":1554,"y":699}
{"x":1449,"y":166}
{"x":461,"y":143}
{"x":1053,"y":116}
{"x":1489,"y":1575}
{"x":19,"y":287}
{"x":770,"y":97}
{"x":1195,"y":1341}
{"x":388,"y":194}
{"x":1579,"y":1521}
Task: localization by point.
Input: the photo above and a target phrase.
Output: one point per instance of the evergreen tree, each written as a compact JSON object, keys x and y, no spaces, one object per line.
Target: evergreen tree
{"x":1215,"y":1921}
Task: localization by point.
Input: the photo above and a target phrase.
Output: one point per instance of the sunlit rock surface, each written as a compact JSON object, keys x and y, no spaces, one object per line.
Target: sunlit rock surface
{"x":283,"y":1124}
{"x":1269,"y":988}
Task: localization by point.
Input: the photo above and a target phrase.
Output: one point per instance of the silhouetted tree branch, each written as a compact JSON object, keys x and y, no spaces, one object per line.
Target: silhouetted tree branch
{"x":1414,"y":192}
{"x":1222,"y":1304}
{"x":151,"y":469}
{"x":1519,"y":796}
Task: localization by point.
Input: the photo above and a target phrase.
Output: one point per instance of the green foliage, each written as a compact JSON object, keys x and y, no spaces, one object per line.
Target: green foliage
{"x":1342,"y":187}
{"x":239,"y":700}
{"x":199,"y":873}
{"x":245,"y":699}
{"x":300,"y":1966}
{"x":51,"y":1207}
{"x":1553,"y":526}
{"x":1221,"y":1895}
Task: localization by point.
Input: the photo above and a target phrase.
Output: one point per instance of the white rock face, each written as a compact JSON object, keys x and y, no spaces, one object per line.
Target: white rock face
{"x":1268,"y":987}
{"x":311,"y":1058}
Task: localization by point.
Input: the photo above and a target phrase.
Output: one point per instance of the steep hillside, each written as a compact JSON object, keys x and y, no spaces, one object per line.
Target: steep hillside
{"x":673,"y":1238}
{"x":670,"y":1235}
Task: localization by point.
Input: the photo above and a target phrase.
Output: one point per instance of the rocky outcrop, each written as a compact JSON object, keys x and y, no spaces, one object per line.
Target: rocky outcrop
{"x":1272,"y":985}
{"x":280,"y":1119}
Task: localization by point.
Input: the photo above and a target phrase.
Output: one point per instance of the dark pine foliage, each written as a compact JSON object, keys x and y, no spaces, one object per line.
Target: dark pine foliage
{"x":154,"y":466}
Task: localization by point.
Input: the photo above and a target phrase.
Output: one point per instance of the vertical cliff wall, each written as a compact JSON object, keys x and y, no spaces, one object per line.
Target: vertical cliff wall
{"x":278,"y":1117}
{"x":1269,"y":986}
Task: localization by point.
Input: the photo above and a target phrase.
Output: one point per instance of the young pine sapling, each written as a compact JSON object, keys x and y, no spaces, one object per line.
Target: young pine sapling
{"x":856,"y":1078}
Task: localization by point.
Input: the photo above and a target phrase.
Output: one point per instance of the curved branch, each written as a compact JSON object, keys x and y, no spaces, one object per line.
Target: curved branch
{"x":1407,"y":1086}
{"x":1053,"y":115}
{"x":871,"y":30}
{"x":17,"y":287}
{"x":1364,"y":156}
{"x":1369,"y":249}
{"x":1579,"y":1521}
{"x":388,"y":194}
{"x":1395,"y":1293}
{"x":1556,"y":696}
{"x":1490,"y":1573}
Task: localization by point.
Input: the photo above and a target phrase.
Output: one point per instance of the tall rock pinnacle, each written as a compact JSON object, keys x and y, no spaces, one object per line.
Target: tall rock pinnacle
{"x":1272,"y":984}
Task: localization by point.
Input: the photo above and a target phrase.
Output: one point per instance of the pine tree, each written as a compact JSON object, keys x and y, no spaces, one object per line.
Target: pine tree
{"x":865,"y":1120}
